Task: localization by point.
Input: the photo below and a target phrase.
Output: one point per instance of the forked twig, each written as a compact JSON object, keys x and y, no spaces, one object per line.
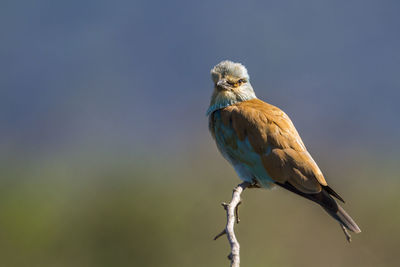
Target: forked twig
{"x":231,"y":211}
{"x":346,"y":233}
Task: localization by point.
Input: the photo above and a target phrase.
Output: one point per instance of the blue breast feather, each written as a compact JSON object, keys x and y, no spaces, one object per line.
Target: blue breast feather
{"x":240,"y":154}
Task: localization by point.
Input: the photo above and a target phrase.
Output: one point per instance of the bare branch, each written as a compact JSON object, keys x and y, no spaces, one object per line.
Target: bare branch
{"x":231,"y":211}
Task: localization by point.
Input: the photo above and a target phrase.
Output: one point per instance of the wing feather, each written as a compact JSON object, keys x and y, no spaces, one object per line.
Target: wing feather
{"x":273,"y":136}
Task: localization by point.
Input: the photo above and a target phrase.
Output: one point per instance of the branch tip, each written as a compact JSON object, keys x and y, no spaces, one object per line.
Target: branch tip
{"x":220,"y":234}
{"x":232,"y":215}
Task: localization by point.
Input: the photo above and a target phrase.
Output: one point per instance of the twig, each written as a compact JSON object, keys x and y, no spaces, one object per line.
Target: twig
{"x":231,"y":211}
{"x":346,"y":233}
{"x":237,"y":212}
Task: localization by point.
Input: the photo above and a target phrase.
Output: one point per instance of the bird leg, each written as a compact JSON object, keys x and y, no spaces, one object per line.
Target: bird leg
{"x":254,"y":184}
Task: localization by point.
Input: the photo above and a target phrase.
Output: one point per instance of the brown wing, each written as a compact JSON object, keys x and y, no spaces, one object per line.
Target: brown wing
{"x":273,"y":136}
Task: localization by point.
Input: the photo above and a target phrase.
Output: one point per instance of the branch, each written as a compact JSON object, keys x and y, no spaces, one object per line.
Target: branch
{"x":231,"y":211}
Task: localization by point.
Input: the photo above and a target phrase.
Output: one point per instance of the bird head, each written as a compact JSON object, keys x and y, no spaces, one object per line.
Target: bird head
{"x":231,"y":85}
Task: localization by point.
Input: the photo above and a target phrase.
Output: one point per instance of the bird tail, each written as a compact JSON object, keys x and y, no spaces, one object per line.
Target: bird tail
{"x":343,"y":218}
{"x":326,"y":201}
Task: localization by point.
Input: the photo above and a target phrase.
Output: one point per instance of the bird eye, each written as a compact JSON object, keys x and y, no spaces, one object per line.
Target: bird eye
{"x":241,"y":81}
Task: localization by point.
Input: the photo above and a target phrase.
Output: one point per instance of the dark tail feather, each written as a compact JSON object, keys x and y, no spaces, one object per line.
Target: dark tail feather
{"x":333,"y":193}
{"x":324,"y":199}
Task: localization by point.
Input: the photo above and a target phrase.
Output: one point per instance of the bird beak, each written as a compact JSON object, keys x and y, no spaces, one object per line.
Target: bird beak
{"x":223,"y":85}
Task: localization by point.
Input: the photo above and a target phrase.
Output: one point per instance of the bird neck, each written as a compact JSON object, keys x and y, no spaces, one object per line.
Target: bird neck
{"x":220,"y":100}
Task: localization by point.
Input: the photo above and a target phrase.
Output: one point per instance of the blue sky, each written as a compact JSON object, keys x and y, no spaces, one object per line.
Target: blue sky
{"x":136,"y":73}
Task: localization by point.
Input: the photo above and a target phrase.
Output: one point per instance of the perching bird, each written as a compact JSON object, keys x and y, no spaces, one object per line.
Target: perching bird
{"x":262,"y":144}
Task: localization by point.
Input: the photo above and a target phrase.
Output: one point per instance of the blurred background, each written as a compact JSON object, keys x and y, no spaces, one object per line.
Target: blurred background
{"x":106,"y":159}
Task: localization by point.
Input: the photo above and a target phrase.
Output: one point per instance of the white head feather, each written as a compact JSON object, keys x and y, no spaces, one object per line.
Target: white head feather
{"x":231,"y":85}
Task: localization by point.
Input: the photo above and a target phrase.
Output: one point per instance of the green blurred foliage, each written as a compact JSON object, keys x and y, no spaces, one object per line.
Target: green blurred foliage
{"x":149,"y":211}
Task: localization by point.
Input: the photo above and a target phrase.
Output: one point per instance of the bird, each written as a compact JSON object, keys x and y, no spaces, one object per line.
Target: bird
{"x":261,"y":143}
